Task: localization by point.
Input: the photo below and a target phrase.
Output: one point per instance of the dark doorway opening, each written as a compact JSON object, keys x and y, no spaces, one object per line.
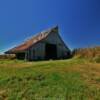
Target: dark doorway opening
{"x":50,"y":51}
{"x":20,"y":56}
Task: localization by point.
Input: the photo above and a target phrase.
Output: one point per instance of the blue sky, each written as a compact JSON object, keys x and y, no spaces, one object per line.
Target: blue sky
{"x":78,"y":21}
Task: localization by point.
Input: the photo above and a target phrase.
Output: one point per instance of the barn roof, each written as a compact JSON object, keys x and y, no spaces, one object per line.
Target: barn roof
{"x":33,"y":40}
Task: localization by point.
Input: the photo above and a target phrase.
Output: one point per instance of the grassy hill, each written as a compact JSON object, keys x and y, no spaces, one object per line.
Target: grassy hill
{"x":87,"y":52}
{"x":73,"y":79}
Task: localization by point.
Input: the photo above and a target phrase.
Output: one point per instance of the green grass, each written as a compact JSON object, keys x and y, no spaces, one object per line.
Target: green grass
{"x":73,"y":79}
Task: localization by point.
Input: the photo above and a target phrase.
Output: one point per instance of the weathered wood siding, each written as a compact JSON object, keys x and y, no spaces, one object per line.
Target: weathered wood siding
{"x":37,"y":51}
{"x":54,"y":38}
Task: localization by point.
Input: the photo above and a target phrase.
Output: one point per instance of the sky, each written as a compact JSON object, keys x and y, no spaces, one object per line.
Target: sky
{"x":78,"y":21}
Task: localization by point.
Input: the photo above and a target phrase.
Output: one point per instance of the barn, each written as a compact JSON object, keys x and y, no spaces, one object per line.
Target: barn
{"x":45,"y":45}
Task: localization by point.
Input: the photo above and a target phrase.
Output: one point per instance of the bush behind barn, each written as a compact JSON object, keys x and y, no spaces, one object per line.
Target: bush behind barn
{"x":7,"y":56}
{"x":92,"y":53}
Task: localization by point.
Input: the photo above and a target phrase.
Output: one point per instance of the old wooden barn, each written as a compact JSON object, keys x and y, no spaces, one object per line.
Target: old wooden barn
{"x":45,"y":45}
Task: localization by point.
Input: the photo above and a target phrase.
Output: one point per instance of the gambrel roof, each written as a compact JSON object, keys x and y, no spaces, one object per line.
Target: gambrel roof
{"x":33,"y":40}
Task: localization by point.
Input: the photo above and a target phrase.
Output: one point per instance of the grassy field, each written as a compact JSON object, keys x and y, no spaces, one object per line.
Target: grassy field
{"x":73,"y":79}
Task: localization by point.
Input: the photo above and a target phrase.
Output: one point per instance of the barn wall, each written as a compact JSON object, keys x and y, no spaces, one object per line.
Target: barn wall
{"x":39,"y":48}
{"x":54,"y":38}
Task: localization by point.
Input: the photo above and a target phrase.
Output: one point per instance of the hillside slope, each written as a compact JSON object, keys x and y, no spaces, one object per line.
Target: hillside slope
{"x":87,"y":52}
{"x":73,"y":79}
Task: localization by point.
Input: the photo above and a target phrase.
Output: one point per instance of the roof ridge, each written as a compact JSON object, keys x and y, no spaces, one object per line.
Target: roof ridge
{"x":42,"y":32}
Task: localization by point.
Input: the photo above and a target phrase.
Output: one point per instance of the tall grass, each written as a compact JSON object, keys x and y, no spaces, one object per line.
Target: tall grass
{"x":89,"y":53}
{"x":7,"y":56}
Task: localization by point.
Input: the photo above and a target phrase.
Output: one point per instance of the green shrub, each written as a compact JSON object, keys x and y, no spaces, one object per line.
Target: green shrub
{"x":96,"y":59}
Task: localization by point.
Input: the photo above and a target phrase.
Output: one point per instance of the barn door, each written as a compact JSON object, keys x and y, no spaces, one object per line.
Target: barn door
{"x":20,"y":56}
{"x":50,"y":51}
